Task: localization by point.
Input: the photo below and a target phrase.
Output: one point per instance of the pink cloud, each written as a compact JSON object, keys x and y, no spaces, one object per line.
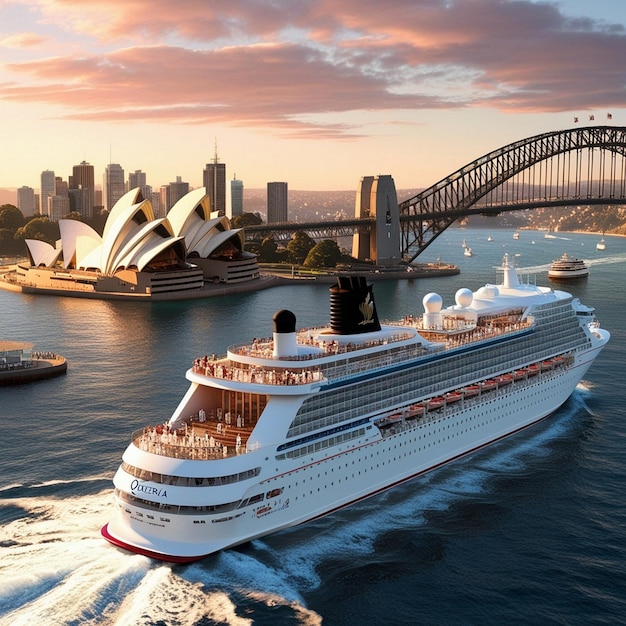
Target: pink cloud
{"x":282,"y":65}
{"x":21,"y":40}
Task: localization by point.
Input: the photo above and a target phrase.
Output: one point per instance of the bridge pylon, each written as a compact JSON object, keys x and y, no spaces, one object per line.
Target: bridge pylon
{"x":376,"y":198}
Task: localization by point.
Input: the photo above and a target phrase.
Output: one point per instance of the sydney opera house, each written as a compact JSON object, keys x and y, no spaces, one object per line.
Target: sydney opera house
{"x":139,"y":255}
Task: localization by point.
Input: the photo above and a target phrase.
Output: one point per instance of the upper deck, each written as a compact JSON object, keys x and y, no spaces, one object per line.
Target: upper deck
{"x":322,"y":357}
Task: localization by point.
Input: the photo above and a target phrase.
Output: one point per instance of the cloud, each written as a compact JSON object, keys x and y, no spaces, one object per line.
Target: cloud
{"x":284,"y":66}
{"x":21,"y":40}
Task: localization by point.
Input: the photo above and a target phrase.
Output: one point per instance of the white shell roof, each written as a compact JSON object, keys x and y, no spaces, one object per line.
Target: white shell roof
{"x":132,"y":235}
{"x":42,"y":253}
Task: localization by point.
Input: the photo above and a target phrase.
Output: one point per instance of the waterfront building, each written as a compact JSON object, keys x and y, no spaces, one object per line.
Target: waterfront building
{"x":236,"y":197}
{"x":277,"y":202}
{"x":140,"y":255}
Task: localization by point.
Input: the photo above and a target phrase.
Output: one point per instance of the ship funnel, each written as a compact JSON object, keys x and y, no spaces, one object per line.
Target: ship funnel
{"x":352,"y":307}
{"x":285,"y":343}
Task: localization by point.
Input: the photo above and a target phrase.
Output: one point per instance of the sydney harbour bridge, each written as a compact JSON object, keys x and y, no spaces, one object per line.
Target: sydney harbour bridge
{"x":567,"y":168}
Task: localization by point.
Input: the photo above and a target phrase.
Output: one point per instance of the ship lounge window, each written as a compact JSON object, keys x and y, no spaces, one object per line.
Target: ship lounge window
{"x":175,"y":508}
{"x":191,"y":481}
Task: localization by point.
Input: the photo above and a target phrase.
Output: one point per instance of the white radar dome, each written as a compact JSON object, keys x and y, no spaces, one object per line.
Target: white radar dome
{"x":488,"y":292}
{"x":432,"y":302}
{"x":464,"y":297}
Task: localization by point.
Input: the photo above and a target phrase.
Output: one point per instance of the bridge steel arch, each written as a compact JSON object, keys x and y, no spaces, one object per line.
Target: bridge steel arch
{"x":579,"y":166}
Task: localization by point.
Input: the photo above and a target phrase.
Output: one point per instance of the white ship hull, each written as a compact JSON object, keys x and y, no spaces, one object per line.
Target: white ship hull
{"x":180,"y":502}
{"x":357,"y":472}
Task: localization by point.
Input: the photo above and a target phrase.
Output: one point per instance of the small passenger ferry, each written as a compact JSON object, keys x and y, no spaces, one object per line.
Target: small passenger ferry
{"x":568,"y":267}
{"x":293,"y":427}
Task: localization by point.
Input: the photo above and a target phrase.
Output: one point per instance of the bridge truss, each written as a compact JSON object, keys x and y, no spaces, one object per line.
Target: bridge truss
{"x":580,"y":166}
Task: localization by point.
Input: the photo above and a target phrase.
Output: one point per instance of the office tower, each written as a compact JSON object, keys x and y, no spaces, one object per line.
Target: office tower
{"x":26,"y":201}
{"x":82,"y":178}
{"x":58,"y":207}
{"x":80,"y":200}
{"x":214,"y":181}
{"x":114,"y":186}
{"x":48,"y":189}
{"x":136,"y":179}
{"x":155,"y":200}
{"x":236,"y":197}
{"x":177,"y":190}
{"x":276,"y":202}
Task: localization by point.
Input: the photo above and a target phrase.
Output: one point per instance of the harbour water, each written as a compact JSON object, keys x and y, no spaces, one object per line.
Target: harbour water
{"x":529,"y":530}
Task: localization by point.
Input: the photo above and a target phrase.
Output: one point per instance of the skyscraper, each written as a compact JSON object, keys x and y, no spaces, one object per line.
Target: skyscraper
{"x":277,"y":202}
{"x":26,"y":201}
{"x":236,"y":197}
{"x":136,"y":179}
{"x":176,"y":191}
{"x":114,"y":185}
{"x":48,"y":189}
{"x":214,"y":181}
{"x":83,"y":178}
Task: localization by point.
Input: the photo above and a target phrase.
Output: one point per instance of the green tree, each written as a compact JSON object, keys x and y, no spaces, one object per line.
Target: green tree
{"x":299,"y":246}
{"x":246,"y":219}
{"x":39,"y":228}
{"x":326,"y":253}
{"x":268,"y":250}
{"x":11,"y":217}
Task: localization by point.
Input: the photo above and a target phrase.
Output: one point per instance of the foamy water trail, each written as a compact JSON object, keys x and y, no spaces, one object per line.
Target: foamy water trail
{"x":56,"y":569}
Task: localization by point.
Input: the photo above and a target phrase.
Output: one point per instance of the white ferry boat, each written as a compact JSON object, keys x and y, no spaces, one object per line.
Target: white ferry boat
{"x":292,"y":428}
{"x":568,"y":267}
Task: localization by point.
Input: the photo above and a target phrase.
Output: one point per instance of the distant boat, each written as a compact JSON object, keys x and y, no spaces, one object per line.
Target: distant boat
{"x":467,"y":252}
{"x":516,"y":234}
{"x":568,"y":267}
{"x":601,"y":245}
{"x":490,"y":238}
{"x":464,"y":244}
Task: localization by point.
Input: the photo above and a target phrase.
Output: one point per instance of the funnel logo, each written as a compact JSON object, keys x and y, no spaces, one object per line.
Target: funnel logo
{"x":367,"y":310}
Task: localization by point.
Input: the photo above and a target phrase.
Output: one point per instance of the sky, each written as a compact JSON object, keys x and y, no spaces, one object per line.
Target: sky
{"x":317,"y":93}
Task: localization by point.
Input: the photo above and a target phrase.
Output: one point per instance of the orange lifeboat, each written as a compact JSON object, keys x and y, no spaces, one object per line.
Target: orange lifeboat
{"x":435,"y":403}
{"x":520,"y":374}
{"x":471,"y":391}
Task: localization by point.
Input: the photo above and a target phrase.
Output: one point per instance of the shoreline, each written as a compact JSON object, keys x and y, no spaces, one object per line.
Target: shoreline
{"x":267,"y":280}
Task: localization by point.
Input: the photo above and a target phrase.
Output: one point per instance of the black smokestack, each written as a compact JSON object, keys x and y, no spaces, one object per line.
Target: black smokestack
{"x":352,"y":307}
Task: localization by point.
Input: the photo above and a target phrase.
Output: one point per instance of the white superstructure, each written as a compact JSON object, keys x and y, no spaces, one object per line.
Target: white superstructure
{"x":291,"y":428}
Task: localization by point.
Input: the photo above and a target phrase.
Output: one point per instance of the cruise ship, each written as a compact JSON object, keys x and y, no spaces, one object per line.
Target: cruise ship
{"x":300,"y":424}
{"x":568,"y":267}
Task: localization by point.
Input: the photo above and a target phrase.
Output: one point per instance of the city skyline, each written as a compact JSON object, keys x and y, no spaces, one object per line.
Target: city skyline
{"x":319,"y":95}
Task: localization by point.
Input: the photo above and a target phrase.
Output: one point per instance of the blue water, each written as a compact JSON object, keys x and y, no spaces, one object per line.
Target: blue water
{"x":530,"y":530}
